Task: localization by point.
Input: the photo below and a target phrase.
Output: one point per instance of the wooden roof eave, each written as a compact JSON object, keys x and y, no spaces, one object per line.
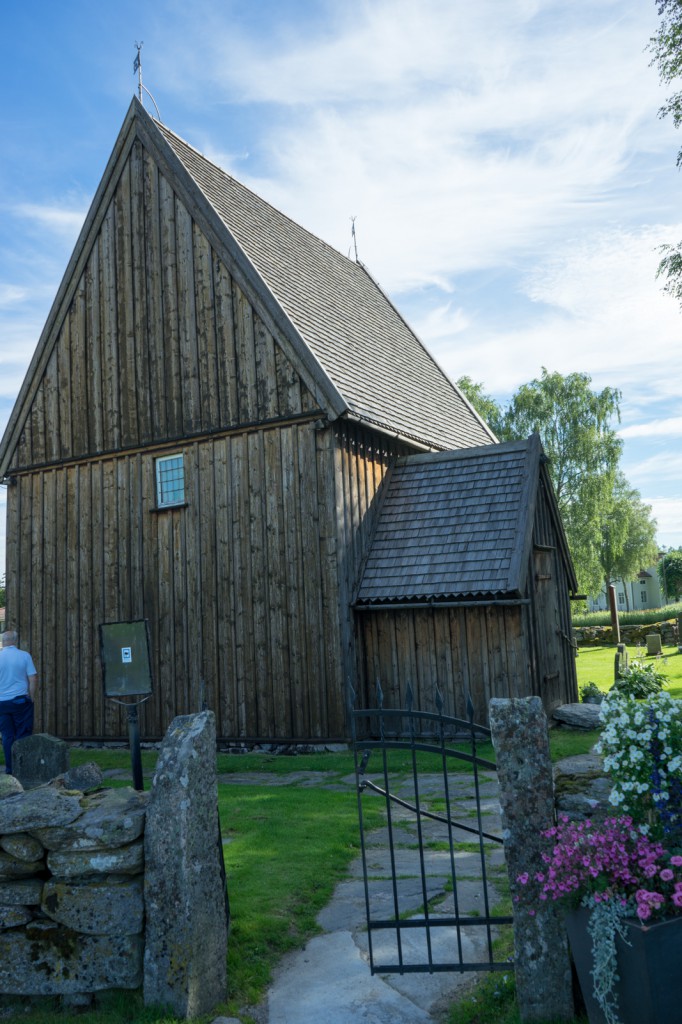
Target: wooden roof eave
{"x":65,"y":292}
{"x":493,"y":437}
{"x":138,"y":123}
{"x":518,"y":567}
{"x":562,"y":540}
{"x":431,"y":603}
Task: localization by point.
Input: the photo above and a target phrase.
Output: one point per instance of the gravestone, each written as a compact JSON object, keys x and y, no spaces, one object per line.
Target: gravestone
{"x":38,"y":759}
{"x":653,"y":643}
{"x":621,"y":662}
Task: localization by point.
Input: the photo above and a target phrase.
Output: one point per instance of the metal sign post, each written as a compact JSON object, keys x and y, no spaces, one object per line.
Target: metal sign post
{"x":126,"y":671}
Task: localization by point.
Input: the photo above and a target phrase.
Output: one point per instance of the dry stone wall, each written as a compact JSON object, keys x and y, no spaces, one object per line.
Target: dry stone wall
{"x":112,"y":888}
{"x":596,"y":636}
{"x":71,"y":889}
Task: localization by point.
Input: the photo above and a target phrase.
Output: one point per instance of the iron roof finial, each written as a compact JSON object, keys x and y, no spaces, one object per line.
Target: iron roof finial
{"x":354,"y":240}
{"x":137,"y":67}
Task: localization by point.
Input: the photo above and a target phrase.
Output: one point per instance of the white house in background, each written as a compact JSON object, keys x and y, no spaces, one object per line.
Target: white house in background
{"x":633,"y":595}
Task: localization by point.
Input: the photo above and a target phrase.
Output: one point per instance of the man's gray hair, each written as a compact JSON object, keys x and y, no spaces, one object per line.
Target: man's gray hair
{"x":9,"y":637}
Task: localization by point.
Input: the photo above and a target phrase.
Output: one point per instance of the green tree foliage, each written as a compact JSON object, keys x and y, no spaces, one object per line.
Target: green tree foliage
{"x":609,"y":529}
{"x":486,"y":407}
{"x":629,"y":534}
{"x":666,"y":50}
{"x":670,"y":574}
{"x":583,"y":450}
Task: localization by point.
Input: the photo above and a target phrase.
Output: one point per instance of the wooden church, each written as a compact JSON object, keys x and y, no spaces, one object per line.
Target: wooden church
{"x":227,"y":429}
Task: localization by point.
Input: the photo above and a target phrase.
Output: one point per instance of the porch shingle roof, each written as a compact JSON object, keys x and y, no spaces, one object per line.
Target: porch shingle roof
{"x":453,"y":526}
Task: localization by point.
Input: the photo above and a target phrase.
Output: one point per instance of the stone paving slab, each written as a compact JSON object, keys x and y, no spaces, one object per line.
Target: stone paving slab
{"x":329,"y":981}
{"x":414,"y":946}
{"x":436,"y":862}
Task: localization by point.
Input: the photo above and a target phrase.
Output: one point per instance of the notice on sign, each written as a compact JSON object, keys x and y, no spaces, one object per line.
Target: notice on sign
{"x":127,"y":655}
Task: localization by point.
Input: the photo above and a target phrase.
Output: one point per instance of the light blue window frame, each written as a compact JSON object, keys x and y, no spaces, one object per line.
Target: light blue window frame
{"x":170,"y":481}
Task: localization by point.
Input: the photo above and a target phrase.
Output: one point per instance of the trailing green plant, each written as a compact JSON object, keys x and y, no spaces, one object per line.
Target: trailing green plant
{"x":606,"y":921}
{"x":629,"y":865}
{"x":615,"y":870}
{"x":639,"y":681}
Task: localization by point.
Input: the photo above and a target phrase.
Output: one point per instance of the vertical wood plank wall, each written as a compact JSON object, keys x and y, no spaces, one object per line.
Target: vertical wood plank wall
{"x":158,"y":341}
{"x":240,"y":586}
{"x":500,"y":651}
{"x":557,"y":681}
{"x":480,"y":651}
{"x":159,"y":350}
{"x":362,"y":458}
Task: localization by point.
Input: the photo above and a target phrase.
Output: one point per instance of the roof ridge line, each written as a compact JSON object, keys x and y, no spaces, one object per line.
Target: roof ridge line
{"x":430,"y":355}
{"x":257,"y":195}
{"x":494,"y":448}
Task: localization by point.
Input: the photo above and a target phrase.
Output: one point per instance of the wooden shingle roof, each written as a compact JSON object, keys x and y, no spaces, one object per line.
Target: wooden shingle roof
{"x":370,"y":354}
{"x":353,"y":350}
{"x":455,"y":526}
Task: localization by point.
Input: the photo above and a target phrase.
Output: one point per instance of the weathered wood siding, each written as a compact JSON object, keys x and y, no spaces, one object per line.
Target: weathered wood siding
{"x":481,"y":651}
{"x":158,"y":350}
{"x":157,"y":342}
{"x":362,"y":458}
{"x":550,"y":613}
{"x":491,"y":651}
{"x":240,"y":585}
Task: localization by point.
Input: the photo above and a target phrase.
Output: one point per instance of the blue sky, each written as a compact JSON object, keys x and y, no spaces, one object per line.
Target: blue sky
{"x":509,"y":175}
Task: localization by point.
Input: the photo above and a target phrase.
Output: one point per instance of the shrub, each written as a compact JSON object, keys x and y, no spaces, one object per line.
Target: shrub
{"x":639,"y":681}
{"x":641,"y":617}
{"x":641,"y":743}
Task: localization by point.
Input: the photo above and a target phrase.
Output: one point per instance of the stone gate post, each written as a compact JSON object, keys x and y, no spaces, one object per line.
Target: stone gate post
{"x":542,"y":964}
{"x":185,"y":958}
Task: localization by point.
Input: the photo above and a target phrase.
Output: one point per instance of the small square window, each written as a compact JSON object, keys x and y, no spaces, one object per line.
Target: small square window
{"x":170,"y":481}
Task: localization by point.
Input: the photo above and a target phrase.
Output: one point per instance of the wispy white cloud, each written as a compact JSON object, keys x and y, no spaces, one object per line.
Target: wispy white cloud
{"x":668,"y":514}
{"x":457,"y":147}
{"x":10,"y":294}
{"x":669,"y":427}
{"x":63,"y":220}
{"x":594,"y":306}
{"x":663,"y":465}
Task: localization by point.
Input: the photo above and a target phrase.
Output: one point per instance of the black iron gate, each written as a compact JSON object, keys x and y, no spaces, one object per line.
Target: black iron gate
{"x":435,"y":912}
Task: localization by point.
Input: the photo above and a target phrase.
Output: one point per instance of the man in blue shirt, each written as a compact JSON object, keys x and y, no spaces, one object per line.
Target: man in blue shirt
{"x":18,"y":684}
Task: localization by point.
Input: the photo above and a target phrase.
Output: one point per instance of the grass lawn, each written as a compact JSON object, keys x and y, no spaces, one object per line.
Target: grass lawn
{"x":595,"y":664}
{"x":283,"y":862}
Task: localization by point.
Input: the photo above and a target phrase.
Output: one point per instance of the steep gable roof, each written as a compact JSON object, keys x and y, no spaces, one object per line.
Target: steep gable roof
{"x":374,"y":359}
{"x":346,"y":339}
{"x":456,"y":525}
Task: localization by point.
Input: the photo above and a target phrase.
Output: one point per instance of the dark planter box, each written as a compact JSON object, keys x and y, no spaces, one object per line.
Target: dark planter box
{"x":650,"y":987}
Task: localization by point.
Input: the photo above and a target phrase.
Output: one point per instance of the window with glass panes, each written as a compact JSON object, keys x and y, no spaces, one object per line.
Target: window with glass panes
{"x":170,"y":481}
